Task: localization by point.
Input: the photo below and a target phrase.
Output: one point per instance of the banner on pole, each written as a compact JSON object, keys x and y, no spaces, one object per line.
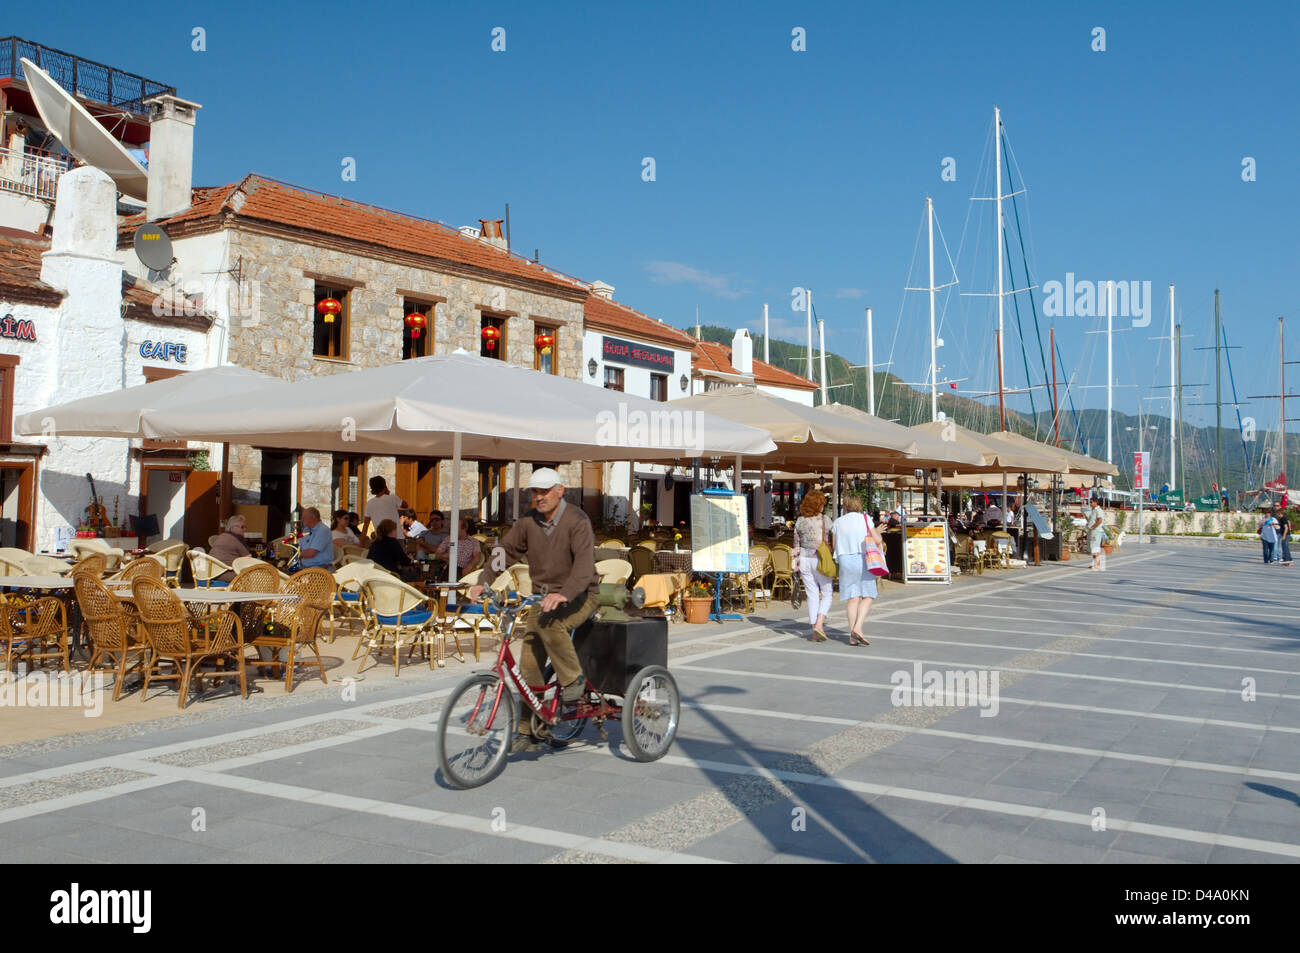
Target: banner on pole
{"x":1141,"y":469}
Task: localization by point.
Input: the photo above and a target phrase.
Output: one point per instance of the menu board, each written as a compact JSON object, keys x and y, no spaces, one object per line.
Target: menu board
{"x":925,"y":553}
{"x":719,"y":532}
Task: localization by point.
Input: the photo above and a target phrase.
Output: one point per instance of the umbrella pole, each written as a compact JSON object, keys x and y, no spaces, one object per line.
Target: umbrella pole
{"x":631,"y":494}
{"x":835,"y":487}
{"x":516,"y":516}
{"x":453,"y":563}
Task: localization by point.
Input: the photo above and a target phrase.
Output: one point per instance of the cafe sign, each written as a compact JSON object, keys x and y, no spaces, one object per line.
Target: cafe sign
{"x":637,"y":355}
{"x":163,"y":351}
{"x":17,"y":330}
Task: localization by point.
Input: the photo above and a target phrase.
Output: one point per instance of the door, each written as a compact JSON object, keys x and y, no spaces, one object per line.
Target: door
{"x":278,"y":490}
{"x":417,"y":484}
{"x":16,"y":485}
{"x":165,"y":499}
{"x":202,"y":507}
{"x":593,"y":482}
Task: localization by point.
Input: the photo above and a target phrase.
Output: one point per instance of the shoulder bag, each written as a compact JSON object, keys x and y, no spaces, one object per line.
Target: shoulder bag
{"x":873,"y":558}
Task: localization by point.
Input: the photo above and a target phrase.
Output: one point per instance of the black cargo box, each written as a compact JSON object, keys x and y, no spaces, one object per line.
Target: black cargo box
{"x":612,"y":652}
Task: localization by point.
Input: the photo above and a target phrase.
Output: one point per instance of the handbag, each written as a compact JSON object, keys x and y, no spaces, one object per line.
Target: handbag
{"x":826,"y":564}
{"x":872,"y":558}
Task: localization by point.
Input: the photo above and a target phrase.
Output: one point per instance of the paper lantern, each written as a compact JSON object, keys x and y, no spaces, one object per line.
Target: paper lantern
{"x":329,"y":307}
{"x":416,"y":322}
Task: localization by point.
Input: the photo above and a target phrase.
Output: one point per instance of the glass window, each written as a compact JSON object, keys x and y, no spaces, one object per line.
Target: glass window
{"x":614,"y":378}
{"x":413,"y":344}
{"x":545,"y":362}
{"x":658,"y":386}
{"x":330,"y":332}
{"x":492,"y":346}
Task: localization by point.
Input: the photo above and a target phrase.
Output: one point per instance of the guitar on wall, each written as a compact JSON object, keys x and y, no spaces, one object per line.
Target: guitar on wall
{"x":95,"y":512}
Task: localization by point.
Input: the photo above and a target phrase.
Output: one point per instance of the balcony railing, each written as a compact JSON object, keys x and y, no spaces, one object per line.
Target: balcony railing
{"x":83,"y":78}
{"x":30,"y":174}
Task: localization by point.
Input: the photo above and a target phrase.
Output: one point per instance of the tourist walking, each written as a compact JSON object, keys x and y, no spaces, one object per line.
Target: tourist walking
{"x":851,"y":532}
{"x":1283,"y":533}
{"x":811,"y":530}
{"x":1096,"y":536}
{"x":1268,"y":536}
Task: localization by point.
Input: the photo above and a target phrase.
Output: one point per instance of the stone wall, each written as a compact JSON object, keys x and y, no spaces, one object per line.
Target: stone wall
{"x":277,"y":337}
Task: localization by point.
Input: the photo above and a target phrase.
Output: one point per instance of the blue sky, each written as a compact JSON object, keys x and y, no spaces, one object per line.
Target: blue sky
{"x":777,"y":168}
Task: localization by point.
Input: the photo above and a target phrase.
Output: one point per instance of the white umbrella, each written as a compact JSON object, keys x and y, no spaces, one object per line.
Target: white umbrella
{"x":121,"y":413}
{"x":460,"y":406}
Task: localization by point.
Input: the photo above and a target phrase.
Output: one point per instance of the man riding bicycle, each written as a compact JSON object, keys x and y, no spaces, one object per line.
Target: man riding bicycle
{"x":557,"y":542}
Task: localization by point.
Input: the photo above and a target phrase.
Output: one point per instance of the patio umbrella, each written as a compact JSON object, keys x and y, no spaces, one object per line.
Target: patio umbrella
{"x":121,"y":413}
{"x":930,"y":450}
{"x":459,"y":406}
{"x":1077,"y":462}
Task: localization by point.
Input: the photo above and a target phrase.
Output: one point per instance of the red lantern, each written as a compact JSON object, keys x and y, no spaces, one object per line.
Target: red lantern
{"x":416,"y":322}
{"x":329,"y":307}
{"x":544,"y":342}
{"x":490,"y":337}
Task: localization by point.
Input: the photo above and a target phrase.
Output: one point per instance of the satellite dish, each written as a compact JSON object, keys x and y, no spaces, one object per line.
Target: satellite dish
{"x":153,"y":247}
{"x":82,"y":135}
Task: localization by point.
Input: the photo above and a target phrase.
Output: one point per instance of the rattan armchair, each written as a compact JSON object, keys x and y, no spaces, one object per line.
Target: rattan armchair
{"x":614,"y":570}
{"x":172,"y":553}
{"x":782,"y":561}
{"x":205,"y":570}
{"x":151,"y":566}
{"x":113,"y":629}
{"x":37,"y":565}
{"x":80,"y":548}
{"x":643,"y":561}
{"x":185,"y":641}
{"x":295,"y":623}
{"x":91,"y":564}
{"x":347,"y":603}
{"x":396,"y":612}
{"x":255,"y":577}
{"x":35,"y":630}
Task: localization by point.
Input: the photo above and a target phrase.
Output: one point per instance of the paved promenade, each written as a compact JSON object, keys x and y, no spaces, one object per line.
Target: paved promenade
{"x":1147,"y":714}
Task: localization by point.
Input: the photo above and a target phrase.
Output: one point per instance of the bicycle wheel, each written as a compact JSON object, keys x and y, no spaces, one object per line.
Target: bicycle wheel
{"x":562,"y":733}
{"x":472,"y":750}
{"x":651,"y":710}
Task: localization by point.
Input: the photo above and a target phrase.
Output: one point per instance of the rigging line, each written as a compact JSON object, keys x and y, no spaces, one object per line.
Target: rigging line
{"x":1070,"y":399}
{"x":902,"y":306}
{"x":1250,"y":476}
{"x":1015,"y":299}
{"x":1024,"y":256}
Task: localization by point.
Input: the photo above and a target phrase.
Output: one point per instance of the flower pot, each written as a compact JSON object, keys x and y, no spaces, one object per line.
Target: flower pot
{"x":1107,"y":548}
{"x":696,"y":608}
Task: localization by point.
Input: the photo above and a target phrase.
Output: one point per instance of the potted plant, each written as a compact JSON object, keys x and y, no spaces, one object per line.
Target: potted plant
{"x":696,"y":601}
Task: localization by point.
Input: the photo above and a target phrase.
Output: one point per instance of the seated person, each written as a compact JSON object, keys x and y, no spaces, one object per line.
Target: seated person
{"x":387,"y":550}
{"x":230,"y":545}
{"x":342,"y":533}
{"x":410,"y":525}
{"x":316,"y":550}
{"x":467,"y":548}
{"x":436,"y":532}
{"x":354,"y":524}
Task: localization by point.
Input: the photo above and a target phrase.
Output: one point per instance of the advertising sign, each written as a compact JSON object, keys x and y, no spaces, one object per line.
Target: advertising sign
{"x":719,"y":533}
{"x":1141,"y":469}
{"x":925,"y":553}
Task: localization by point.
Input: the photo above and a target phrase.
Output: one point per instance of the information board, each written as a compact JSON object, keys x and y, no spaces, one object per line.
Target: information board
{"x":925,"y":553}
{"x":719,"y":532}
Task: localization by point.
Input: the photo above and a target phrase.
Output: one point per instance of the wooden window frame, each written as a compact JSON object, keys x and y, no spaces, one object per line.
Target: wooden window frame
{"x":622,"y":380}
{"x":9,"y":370}
{"x":430,"y":310}
{"x":503,"y":325}
{"x":555,"y":348}
{"x":659,"y":377}
{"x":323,"y":289}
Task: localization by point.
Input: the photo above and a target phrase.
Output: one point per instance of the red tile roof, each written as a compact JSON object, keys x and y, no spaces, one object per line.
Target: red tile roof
{"x":710,"y":356}
{"x":257,"y":198}
{"x":607,"y":315}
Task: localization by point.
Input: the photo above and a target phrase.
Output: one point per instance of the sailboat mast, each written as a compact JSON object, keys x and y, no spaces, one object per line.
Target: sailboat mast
{"x":1218,"y":400}
{"x":871,"y":369}
{"x":1182,"y":476}
{"x":997,"y":162}
{"x":1056,"y":408}
{"x":1110,"y":370}
{"x":821,"y":334}
{"x":767,"y":337}
{"x":934,"y":387}
{"x":1173,"y":384}
{"x":810,"y":345}
{"x":1002,"y":413}
{"x":1281,"y":390}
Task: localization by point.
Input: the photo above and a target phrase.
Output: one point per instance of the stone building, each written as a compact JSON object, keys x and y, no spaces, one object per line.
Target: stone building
{"x":286,"y":249}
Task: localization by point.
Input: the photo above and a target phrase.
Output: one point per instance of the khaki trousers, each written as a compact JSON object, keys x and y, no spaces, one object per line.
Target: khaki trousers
{"x":548,"y":634}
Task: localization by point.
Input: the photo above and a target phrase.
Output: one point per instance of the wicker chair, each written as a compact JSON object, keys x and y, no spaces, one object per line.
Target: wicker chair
{"x":642,"y":559}
{"x":966,"y":557}
{"x":523,"y":579}
{"x":45,"y":566}
{"x":614,"y":570}
{"x":81,"y":548}
{"x":286,"y":552}
{"x":151,"y":566}
{"x":296,"y":622}
{"x":113,"y":629}
{"x":782,"y":559}
{"x":347,"y":602}
{"x":29,"y":631}
{"x":184,"y":640}
{"x":172,"y":553}
{"x":258,"y":577}
{"x":91,"y":564}
{"x":9,"y":567}
{"x":650,"y":544}
{"x":474,"y":614}
{"x":205,"y":570}
{"x":397,"y":611}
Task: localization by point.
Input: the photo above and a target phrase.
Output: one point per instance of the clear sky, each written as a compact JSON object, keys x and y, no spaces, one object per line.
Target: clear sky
{"x":777,"y":168}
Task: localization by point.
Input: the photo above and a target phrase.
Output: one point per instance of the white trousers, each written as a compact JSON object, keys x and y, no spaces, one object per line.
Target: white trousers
{"x":816,"y":588}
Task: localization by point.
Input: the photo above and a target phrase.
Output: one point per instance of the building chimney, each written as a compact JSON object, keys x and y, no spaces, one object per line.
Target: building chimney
{"x":171,"y":155}
{"x":742,"y":352}
{"x":490,"y":231}
{"x":602,"y":290}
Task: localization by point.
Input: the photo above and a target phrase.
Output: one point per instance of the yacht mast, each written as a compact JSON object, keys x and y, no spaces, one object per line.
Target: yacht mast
{"x":997,"y":155}
{"x":934,"y":387}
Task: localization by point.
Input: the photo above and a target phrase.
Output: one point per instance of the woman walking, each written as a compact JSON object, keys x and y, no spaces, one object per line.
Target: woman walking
{"x":811,"y":530}
{"x":851,"y":532}
{"x":1096,"y":536}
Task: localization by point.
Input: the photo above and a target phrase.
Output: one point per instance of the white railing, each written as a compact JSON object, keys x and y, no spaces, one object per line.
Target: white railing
{"x":30,"y":174}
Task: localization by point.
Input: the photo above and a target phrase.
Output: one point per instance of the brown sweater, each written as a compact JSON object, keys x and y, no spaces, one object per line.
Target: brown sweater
{"x":563,"y":562}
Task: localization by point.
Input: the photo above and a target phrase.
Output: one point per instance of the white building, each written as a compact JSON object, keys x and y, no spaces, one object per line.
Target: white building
{"x":73,"y":325}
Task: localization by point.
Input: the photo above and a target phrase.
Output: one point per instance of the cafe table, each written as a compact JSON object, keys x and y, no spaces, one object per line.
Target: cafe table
{"x":444,"y":623}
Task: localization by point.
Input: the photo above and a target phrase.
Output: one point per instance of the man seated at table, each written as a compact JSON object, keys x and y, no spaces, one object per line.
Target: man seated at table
{"x":317,"y":547}
{"x":437,"y":532}
{"x":230,"y":545}
{"x":993,"y":516}
{"x":410,"y":525}
{"x":557,"y":542}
